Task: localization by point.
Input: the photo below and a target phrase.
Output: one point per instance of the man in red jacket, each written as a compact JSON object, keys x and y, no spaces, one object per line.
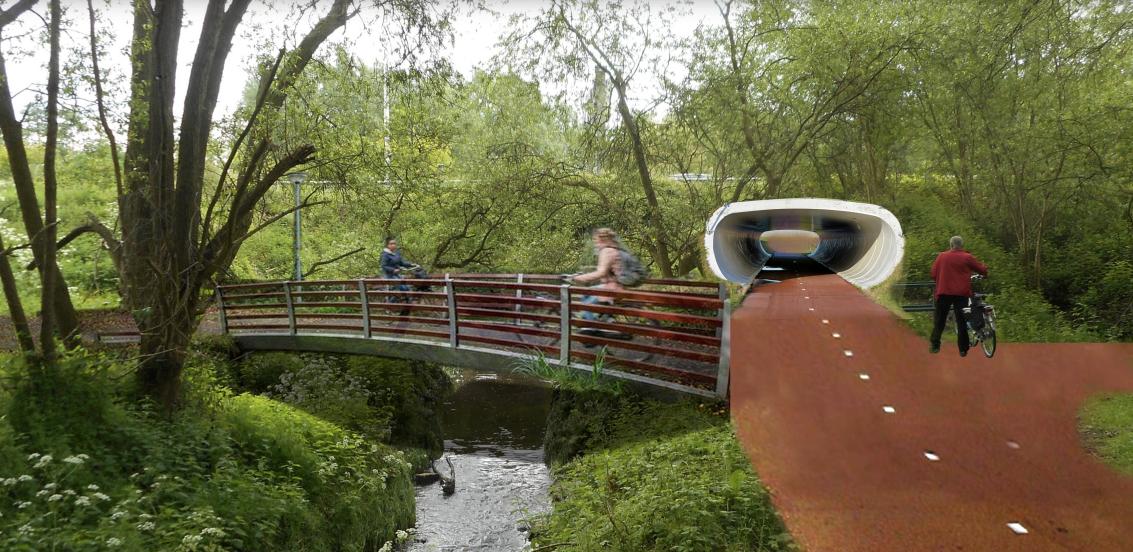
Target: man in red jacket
{"x":952,"y":272}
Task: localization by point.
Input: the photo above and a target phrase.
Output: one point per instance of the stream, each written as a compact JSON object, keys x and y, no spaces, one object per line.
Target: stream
{"x":494,"y":426}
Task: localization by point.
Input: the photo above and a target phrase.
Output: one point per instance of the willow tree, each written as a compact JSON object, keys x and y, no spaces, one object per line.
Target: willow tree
{"x":567,"y":39}
{"x":179,"y":228}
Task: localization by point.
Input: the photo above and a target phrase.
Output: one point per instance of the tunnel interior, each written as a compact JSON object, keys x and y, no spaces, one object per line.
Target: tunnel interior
{"x":861,"y":242}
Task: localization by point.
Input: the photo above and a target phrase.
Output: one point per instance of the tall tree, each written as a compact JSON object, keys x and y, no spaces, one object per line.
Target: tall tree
{"x":615,"y":39}
{"x":58,"y":308}
{"x":174,"y":242}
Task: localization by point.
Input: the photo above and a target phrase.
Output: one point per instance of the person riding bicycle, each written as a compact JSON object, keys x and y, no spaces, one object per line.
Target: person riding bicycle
{"x":607,"y":245}
{"x":952,"y":271}
{"x":393,"y":264}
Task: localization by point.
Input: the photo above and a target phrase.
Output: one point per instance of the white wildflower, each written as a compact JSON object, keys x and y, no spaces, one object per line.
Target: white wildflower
{"x":212,"y":531}
{"x":50,"y":486}
{"x":191,"y":539}
{"x":92,"y":487}
{"x":145,"y":516}
{"x":101,"y":496}
{"x":10,"y":481}
{"x":84,"y":457}
{"x":117,"y":516}
{"x":73,"y":460}
{"x":55,"y":497}
{"x":24,"y":478}
{"x":69,"y":492}
{"x":402,"y":535}
{"x":114,"y":541}
{"x":43,"y":461}
{"x":82,"y":501}
{"x":146,"y":526}
{"x":25,"y":529}
{"x":22,"y":505}
{"x":33,"y":456}
{"x":42,"y":492}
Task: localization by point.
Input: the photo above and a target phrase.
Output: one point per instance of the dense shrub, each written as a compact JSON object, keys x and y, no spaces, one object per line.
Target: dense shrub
{"x":1023,"y":313}
{"x":388,"y":400}
{"x":82,"y":469}
{"x":653,"y":476}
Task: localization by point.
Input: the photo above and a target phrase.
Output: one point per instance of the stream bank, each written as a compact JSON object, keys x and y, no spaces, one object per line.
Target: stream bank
{"x":494,"y":427}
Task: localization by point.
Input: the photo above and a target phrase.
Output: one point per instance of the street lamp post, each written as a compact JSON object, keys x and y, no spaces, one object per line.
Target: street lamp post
{"x":297,"y":178}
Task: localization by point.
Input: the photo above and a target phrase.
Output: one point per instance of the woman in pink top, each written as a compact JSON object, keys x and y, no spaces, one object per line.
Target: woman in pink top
{"x":605,"y":274}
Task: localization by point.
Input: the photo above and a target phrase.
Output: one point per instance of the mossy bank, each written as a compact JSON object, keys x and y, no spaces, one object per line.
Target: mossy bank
{"x":632,"y":474}
{"x":86,"y":465}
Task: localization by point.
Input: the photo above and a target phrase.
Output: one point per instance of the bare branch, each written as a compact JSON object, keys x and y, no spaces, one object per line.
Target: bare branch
{"x":318,"y":264}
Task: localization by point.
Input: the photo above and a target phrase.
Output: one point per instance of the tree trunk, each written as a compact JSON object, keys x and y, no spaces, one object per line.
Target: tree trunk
{"x":50,"y":268}
{"x":66,"y":319}
{"x":15,"y":306}
{"x":654,"y":214}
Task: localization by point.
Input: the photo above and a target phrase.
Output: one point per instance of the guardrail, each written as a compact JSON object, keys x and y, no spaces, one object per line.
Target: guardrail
{"x":671,"y":331}
{"x":926,"y":306}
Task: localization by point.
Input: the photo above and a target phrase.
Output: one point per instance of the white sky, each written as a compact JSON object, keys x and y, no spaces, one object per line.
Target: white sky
{"x":474,"y":40}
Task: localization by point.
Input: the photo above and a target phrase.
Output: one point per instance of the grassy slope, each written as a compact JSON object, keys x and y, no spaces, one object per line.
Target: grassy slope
{"x":655,"y":476}
{"x":233,"y":472}
{"x":1106,"y":423}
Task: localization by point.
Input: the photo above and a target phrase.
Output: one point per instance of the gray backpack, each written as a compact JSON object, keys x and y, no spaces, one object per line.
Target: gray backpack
{"x":632,"y":272}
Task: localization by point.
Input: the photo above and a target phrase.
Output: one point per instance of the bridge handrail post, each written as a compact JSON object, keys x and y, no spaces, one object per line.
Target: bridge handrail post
{"x":290,"y":308}
{"x":221,"y":307}
{"x":722,"y":293}
{"x":518,"y":295}
{"x":564,"y":325}
{"x":365,"y":298}
{"x":450,"y":295}
{"x":723,"y":370}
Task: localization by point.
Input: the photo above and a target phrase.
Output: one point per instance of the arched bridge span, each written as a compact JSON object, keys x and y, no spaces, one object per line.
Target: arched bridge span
{"x":667,"y":334}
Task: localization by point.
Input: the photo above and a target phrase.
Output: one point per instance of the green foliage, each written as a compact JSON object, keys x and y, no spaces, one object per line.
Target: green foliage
{"x":659,"y":477}
{"x":1106,"y":424}
{"x":83,"y":469}
{"x":261,"y":372}
{"x":566,"y":377}
{"x":387,"y":400}
{"x":1022,"y":312}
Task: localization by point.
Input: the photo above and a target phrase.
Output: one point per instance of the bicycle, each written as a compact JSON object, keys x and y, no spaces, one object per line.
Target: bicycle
{"x":605,"y":325}
{"x":981,"y":325}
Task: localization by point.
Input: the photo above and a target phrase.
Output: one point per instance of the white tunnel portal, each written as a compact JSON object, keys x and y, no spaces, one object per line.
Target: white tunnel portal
{"x":861,"y":242}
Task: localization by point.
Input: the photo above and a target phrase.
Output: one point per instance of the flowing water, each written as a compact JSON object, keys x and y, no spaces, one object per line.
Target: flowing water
{"x":493,"y":425}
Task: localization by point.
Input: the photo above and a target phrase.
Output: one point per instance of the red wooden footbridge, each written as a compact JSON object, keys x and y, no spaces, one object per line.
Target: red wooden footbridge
{"x":669,"y":334}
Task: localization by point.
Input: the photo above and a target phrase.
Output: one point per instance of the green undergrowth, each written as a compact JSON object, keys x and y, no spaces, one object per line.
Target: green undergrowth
{"x":1106,"y":424}
{"x":86,"y":465}
{"x":635,"y":475}
{"x":1022,"y":313}
{"x":387,"y":400}
{"x":565,"y":377}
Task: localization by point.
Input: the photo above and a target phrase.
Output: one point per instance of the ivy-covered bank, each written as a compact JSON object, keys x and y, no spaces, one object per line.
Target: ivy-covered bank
{"x":633,"y":474}
{"x":86,"y":465}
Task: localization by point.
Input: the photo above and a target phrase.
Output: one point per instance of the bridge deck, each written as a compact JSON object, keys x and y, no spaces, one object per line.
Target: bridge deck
{"x":670,"y":333}
{"x":848,"y":476}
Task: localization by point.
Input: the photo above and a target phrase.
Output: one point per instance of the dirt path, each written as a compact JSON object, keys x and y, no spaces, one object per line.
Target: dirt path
{"x":846,"y":475}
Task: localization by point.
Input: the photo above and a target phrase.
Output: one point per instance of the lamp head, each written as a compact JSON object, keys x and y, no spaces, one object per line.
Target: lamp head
{"x":297,"y":177}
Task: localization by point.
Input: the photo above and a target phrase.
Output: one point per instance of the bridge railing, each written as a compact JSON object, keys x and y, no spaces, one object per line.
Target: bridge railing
{"x":670,"y":330}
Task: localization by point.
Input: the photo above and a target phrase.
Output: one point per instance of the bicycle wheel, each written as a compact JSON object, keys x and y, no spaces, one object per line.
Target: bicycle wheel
{"x":987,"y":342}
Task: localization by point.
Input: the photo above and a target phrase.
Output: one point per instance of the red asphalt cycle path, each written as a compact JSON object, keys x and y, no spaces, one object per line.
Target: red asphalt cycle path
{"x":845,"y":475}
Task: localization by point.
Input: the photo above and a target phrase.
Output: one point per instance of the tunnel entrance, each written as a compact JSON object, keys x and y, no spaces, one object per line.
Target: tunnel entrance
{"x":861,"y":242}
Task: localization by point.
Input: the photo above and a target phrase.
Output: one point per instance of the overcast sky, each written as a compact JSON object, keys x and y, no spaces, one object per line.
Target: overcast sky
{"x":475,"y":36}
